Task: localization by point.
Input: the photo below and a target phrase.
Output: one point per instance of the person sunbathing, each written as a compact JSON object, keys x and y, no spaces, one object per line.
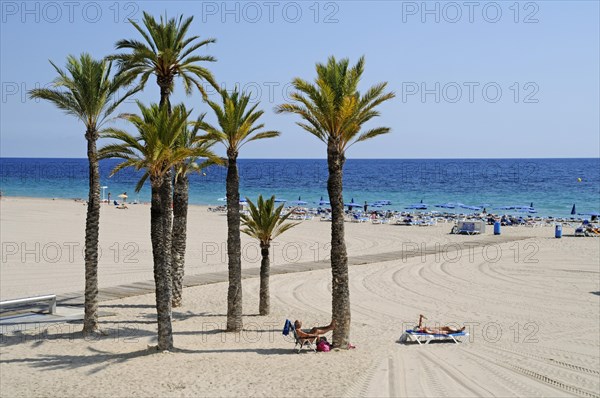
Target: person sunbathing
{"x":314,"y":332}
{"x":441,"y":330}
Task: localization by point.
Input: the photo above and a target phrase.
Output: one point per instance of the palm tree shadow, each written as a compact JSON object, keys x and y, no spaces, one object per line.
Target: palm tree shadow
{"x":260,"y":351}
{"x":99,"y":361}
{"x":122,"y":332}
{"x":149,"y":306}
{"x":180,"y":316}
{"x":596,"y":293}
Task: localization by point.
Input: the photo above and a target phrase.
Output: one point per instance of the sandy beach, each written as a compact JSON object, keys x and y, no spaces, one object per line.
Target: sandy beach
{"x":530,"y":303}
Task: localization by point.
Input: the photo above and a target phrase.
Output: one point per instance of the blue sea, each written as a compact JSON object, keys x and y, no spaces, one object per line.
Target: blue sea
{"x":552,"y":185}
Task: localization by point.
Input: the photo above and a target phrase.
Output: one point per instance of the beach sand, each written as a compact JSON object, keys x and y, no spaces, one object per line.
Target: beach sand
{"x":531,"y":306}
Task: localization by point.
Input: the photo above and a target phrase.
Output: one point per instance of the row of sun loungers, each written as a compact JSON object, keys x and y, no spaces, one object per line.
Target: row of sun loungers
{"x":432,"y":218}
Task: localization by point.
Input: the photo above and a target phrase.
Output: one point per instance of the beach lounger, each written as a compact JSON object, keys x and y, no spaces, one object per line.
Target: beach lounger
{"x":471,"y":227}
{"x":425,"y":338}
{"x":300,"y":338}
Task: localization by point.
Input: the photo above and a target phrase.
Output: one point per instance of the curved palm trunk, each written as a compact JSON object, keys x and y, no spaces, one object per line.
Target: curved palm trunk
{"x":264,"y":306}
{"x":160,"y":236}
{"x":92,"y":224}
{"x":340,"y":298}
{"x":234,"y":293}
{"x":178,"y":245}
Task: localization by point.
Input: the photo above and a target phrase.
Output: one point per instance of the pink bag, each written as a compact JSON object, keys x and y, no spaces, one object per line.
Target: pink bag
{"x":323,"y":346}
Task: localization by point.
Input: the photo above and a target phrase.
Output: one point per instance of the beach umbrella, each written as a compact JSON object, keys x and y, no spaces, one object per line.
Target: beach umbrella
{"x":469,"y":207}
{"x":417,"y":206}
{"x":592,"y":213}
{"x":573,"y":211}
{"x":531,"y":205}
{"x":299,"y":202}
{"x":505,"y":208}
{"x":526,"y":209}
{"x":123,"y":196}
{"x":280,"y":200}
{"x":352,"y":204}
{"x":323,"y":202}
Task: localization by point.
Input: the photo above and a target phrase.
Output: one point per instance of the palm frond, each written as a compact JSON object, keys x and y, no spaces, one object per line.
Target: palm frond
{"x":237,"y":123}
{"x":332,"y":109}
{"x":264,"y":221}
{"x":167,"y":51}
{"x":85,"y":89}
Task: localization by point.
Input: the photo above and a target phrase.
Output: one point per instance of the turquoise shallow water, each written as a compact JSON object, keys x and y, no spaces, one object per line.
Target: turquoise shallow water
{"x":552,"y":185}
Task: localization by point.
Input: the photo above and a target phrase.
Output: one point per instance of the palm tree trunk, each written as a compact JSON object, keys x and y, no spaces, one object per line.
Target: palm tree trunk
{"x":92,"y":225}
{"x":264,"y":306}
{"x":165,"y":83}
{"x":161,"y":254}
{"x":340,"y":298}
{"x":234,"y":293}
{"x":178,"y":245}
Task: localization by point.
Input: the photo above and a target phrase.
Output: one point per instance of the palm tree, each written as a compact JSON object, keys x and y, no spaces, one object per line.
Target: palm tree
{"x":237,"y":126}
{"x":87,"y":91}
{"x":200,"y":147}
{"x":155,"y":151}
{"x":334,"y":111}
{"x":166,"y":54}
{"x":265,"y":223}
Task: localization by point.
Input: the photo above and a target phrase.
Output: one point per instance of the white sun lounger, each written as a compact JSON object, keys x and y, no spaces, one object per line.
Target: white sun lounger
{"x":425,"y":338}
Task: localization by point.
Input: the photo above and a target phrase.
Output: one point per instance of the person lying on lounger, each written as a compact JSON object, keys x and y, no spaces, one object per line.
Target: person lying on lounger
{"x":441,"y":330}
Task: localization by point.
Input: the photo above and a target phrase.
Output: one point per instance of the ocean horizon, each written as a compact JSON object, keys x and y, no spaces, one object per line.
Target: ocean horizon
{"x":553,"y":185}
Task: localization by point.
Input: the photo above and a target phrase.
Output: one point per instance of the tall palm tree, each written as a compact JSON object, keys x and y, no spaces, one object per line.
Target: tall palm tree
{"x":201,"y":148}
{"x":264,"y":223}
{"x":155,"y":151}
{"x":237,"y":125}
{"x":334,"y":111}
{"x":166,"y":53}
{"x":87,"y":91}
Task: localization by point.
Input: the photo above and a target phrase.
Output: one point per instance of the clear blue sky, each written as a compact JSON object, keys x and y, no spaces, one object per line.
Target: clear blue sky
{"x":464,"y":58}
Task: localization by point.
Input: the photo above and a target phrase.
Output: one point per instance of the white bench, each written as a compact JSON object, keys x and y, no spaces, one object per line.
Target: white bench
{"x":51,"y":298}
